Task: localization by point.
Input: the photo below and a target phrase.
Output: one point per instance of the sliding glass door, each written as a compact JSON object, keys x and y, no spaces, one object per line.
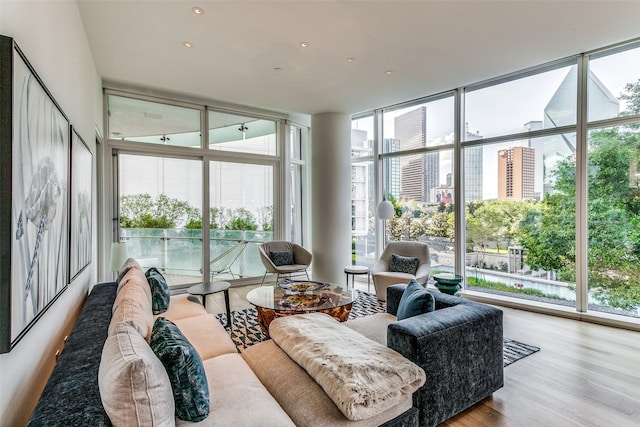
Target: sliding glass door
{"x":160,"y":216}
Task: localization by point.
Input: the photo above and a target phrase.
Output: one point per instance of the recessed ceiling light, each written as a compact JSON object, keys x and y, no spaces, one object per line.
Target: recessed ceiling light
{"x":350,"y":59}
{"x":304,"y":44}
{"x":388,"y":72}
{"x":276,"y":69}
{"x":187,"y":44}
{"x":197,"y":10}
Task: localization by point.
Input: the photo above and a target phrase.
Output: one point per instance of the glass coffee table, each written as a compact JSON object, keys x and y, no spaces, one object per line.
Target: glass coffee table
{"x":299,"y":297}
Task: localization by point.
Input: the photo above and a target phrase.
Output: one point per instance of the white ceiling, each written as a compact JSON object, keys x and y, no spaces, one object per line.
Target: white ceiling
{"x":431,"y":46}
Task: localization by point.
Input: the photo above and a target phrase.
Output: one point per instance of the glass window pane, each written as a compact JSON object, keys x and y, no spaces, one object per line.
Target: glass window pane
{"x":160,"y":216}
{"x":241,"y":209}
{"x":424,"y":204}
{"x":426,"y":125}
{"x":232,"y":132}
{"x":614,"y":219}
{"x":362,"y":137}
{"x":521,"y":234}
{"x":363,"y":239}
{"x":363,"y":244}
{"x":152,"y":122}
{"x":540,"y":101}
{"x":609,"y":79}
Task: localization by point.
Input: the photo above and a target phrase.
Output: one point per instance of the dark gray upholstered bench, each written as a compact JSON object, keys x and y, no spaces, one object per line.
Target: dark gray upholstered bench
{"x":71,"y":396}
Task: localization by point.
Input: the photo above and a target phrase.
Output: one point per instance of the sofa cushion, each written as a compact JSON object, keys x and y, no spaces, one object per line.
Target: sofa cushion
{"x":373,"y":326}
{"x":414,"y":301}
{"x":403,"y":264}
{"x":300,"y":396}
{"x":207,"y":335}
{"x":134,"y":387}
{"x":160,"y":294}
{"x":238,"y":398}
{"x":183,"y":306}
{"x":282,"y":257}
{"x":133,"y":303}
{"x":185,"y":370}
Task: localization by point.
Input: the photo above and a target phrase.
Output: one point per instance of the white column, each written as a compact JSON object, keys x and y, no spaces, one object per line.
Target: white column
{"x":330,"y":195}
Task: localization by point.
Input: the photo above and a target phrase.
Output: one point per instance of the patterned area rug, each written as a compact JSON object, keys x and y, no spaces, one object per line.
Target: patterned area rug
{"x":246,"y":331}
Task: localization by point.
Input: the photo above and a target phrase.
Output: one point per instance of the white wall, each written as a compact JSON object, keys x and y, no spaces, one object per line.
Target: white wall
{"x":51,"y":35}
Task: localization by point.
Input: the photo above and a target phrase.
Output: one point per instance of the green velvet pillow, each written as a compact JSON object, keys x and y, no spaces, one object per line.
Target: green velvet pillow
{"x":160,"y":294}
{"x":414,"y":301}
{"x":184,"y":368}
{"x":404,"y":264}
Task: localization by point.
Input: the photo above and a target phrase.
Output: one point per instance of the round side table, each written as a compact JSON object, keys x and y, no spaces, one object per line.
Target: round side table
{"x":208,"y":288}
{"x":448,"y":283}
{"x":357,"y":269}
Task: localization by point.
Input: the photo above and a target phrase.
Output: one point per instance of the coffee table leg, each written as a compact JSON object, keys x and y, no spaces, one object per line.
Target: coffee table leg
{"x":226,"y":303}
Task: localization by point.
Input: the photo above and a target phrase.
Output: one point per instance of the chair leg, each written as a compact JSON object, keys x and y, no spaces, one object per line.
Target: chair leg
{"x":305,"y":272}
{"x":265,"y":275}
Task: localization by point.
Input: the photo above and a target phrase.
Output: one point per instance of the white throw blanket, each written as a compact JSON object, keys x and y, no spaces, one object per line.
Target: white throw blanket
{"x":361,"y":376}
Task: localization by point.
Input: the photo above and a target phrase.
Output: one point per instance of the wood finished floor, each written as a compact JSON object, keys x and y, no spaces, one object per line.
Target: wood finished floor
{"x":584,"y":375}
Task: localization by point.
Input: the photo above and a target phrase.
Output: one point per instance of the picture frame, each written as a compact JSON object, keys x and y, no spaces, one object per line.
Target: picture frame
{"x":34,"y":196}
{"x":81,"y":203}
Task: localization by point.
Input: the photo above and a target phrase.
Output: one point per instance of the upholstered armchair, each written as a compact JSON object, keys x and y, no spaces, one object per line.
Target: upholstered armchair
{"x":284,"y":259}
{"x":393,"y":268}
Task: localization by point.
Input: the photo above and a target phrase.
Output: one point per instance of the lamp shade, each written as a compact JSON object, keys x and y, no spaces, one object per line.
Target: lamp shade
{"x":119,"y":254}
{"x":385,"y":209}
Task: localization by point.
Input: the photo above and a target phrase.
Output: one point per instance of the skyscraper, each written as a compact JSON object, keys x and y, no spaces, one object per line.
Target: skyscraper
{"x":473,"y":159}
{"x":516,"y":173}
{"x":418,"y":173}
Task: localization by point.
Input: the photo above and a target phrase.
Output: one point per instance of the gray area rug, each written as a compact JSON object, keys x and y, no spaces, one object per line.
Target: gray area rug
{"x":246,"y":331}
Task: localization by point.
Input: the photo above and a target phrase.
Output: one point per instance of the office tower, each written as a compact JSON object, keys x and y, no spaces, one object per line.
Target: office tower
{"x":516,"y":173}
{"x":419,"y":173}
{"x":391,"y":174}
{"x":473,"y":158}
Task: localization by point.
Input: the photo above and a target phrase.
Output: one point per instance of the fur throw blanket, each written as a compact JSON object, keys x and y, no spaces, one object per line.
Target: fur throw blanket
{"x":362,"y":377}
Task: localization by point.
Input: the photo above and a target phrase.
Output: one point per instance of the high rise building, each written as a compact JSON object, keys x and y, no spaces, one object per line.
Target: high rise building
{"x":516,"y":173}
{"x":418,"y":173}
{"x":360,"y":172}
{"x":473,"y":159}
{"x":391,"y":175}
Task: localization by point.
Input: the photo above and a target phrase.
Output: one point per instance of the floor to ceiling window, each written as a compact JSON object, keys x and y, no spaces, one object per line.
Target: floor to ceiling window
{"x":418,"y":176}
{"x":363,"y":221}
{"x":520,"y":228}
{"x":613,"y":181}
{"x":549,"y":181}
{"x":166,"y":165}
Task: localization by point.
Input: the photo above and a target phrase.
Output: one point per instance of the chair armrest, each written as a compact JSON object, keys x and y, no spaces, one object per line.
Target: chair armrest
{"x":422,"y":273}
{"x":301,"y":256}
{"x":266,"y":261}
{"x":379,"y":266}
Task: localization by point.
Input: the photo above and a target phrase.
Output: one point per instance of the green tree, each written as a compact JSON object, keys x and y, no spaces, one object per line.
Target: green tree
{"x":242,"y":220}
{"x":144,"y":211}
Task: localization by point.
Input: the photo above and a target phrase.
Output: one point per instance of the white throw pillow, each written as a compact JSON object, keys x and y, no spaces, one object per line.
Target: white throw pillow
{"x":134,"y":386}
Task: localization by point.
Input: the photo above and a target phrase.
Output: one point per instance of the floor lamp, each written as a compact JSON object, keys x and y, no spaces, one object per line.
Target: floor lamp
{"x":384,"y":211}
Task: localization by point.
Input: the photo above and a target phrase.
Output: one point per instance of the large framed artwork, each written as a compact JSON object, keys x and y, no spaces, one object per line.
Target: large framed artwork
{"x":81,"y":178}
{"x":34,"y":196}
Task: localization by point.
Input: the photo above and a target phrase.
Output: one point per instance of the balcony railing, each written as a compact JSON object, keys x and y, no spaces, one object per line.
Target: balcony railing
{"x":178,"y":252}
